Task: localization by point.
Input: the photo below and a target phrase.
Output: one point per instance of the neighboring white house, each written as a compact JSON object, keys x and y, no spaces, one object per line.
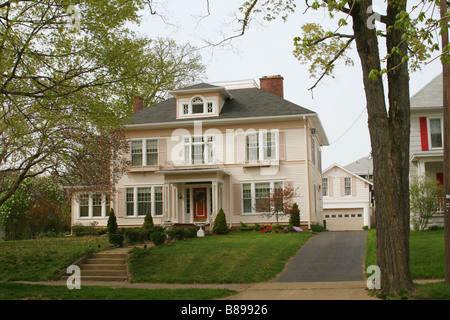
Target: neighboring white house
{"x":426,"y":140}
{"x":211,"y":147}
{"x":346,"y":199}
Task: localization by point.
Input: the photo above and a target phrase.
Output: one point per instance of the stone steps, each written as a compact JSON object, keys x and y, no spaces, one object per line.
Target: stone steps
{"x":104,"y":266}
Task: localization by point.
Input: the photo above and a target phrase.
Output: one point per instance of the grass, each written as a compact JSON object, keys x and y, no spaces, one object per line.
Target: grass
{"x":242,"y":257}
{"x":427,"y":261}
{"x":19,"y":291}
{"x":43,"y":259}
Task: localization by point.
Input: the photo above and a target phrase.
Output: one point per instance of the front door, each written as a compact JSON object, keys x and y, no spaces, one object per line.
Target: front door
{"x":200,"y":206}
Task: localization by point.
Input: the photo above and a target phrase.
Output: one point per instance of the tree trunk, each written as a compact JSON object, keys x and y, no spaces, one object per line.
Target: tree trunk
{"x":389,"y":133}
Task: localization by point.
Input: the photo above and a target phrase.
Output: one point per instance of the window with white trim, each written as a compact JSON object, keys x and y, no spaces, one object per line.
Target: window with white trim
{"x":254,"y":194}
{"x":198,"y":105}
{"x":143,"y":200}
{"x":348,"y":186}
{"x":435,"y":132}
{"x":261,"y":145}
{"x":144,"y":152}
{"x":325,"y":186}
{"x":198,"y":150}
{"x":93,"y":205}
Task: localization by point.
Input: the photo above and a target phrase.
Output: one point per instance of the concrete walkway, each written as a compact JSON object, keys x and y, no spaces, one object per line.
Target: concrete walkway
{"x":328,"y":267}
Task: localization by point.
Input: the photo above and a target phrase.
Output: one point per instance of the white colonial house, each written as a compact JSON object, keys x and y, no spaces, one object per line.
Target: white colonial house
{"x":211,"y":147}
{"x":347,"y":199}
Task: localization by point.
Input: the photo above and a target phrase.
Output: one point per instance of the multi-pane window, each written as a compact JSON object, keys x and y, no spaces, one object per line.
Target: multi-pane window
{"x":158,"y":201}
{"x":348,"y":186}
{"x":97,"y":205}
{"x":197,"y":106}
{"x":261,"y":145}
{"x":136,"y":153}
{"x":436,"y":132}
{"x":247,"y":197}
{"x":143,"y":200}
{"x":188,"y":200}
{"x":152,"y":152}
{"x":84,"y":205}
{"x":130,"y":201}
{"x":149,"y":157}
{"x":255,"y":195}
{"x":93,"y":205}
{"x":198,"y":150}
{"x":325,"y":186}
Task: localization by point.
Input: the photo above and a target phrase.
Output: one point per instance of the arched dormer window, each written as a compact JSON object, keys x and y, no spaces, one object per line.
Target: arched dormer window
{"x":198,"y":105}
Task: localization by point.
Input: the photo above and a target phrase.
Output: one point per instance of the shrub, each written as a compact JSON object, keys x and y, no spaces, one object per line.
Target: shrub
{"x":148,"y":221}
{"x":116,"y":239}
{"x":112,"y":222}
{"x":220,"y":224}
{"x":158,"y":238}
{"x":191,"y":232}
{"x":131,"y":235}
{"x":294,"y":219}
{"x":176,"y":233}
{"x":315,"y":227}
{"x":244,"y":227}
{"x":82,"y":230}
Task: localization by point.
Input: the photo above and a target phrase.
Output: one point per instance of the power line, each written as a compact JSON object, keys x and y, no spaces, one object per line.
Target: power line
{"x":348,"y":129}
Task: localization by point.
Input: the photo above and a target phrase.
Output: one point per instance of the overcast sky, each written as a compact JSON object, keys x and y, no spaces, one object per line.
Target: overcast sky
{"x":266,"y":49}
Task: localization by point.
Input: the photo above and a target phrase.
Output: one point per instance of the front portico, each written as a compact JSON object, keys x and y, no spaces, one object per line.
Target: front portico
{"x":192,"y":195}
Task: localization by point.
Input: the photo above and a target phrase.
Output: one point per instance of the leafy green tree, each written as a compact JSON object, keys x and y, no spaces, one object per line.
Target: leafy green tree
{"x":407,"y":33}
{"x":69,"y":72}
{"x":425,"y":197}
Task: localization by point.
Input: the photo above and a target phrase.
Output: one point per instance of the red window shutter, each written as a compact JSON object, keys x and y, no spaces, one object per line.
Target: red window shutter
{"x":424,"y":133}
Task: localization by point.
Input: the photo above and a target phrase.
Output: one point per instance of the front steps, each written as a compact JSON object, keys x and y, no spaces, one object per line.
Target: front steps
{"x":104,"y":266}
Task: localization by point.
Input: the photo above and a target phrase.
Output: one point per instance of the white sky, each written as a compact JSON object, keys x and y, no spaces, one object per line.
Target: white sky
{"x":266,"y":49}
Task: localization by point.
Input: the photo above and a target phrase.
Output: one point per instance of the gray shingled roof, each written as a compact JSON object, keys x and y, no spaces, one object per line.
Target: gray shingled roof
{"x":245,"y":103}
{"x":430,"y":96}
{"x":361,"y":166}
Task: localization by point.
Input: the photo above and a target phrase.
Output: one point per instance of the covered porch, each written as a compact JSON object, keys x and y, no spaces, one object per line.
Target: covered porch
{"x":193,"y":195}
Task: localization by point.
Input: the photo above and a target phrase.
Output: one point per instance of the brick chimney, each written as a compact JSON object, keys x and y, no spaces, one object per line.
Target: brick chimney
{"x":138,"y":104}
{"x":272,"y":84}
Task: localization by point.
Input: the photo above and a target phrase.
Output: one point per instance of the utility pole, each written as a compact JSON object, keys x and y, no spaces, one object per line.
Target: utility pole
{"x":446,"y":90}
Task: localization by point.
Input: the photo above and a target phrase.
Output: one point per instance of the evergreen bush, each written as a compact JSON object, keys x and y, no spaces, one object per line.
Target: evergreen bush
{"x":116,"y":239}
{"x":220,"y":224}
{"x":148,"y":221}
{"x":294,"y":219}
{"x":112,"y":222}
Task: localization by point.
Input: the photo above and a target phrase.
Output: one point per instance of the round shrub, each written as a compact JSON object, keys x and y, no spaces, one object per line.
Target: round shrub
{"x":116,"y":239}
{"x":158,"y":238}
{"x":176,"y":233}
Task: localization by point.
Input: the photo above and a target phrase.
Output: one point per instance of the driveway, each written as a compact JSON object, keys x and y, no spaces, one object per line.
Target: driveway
{"x":327,"y":257}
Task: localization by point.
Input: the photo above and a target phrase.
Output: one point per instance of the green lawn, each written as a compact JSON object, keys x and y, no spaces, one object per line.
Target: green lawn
{"x":43,"y":259}
{"x":241,"y":257}
{"x":19,"y":291}
{"x":427,"y":260}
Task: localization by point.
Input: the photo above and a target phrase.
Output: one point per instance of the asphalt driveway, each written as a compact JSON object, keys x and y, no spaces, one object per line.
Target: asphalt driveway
{"x":327,"y":257}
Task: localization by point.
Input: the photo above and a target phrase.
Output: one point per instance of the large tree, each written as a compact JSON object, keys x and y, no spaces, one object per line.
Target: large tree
{"x":406,"y":43}
{"x":69,"y":71}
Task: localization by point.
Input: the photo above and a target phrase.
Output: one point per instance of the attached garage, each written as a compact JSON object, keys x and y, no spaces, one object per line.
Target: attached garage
{"x":344,"y":219}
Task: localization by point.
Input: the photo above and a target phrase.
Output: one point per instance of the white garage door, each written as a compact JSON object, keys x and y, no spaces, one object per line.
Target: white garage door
{"x":344,"y":219}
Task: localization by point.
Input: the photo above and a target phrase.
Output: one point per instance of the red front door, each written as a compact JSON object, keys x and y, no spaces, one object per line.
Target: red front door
{"x":200,"y":207}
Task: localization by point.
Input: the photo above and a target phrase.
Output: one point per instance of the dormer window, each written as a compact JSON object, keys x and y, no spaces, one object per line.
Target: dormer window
{"x":197,"y":106}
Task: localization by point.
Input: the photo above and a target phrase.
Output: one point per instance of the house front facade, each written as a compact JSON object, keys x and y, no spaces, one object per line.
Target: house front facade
{"x":427,"y":140}
{"x":347,"y":199}
{"x":213,"y":147}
